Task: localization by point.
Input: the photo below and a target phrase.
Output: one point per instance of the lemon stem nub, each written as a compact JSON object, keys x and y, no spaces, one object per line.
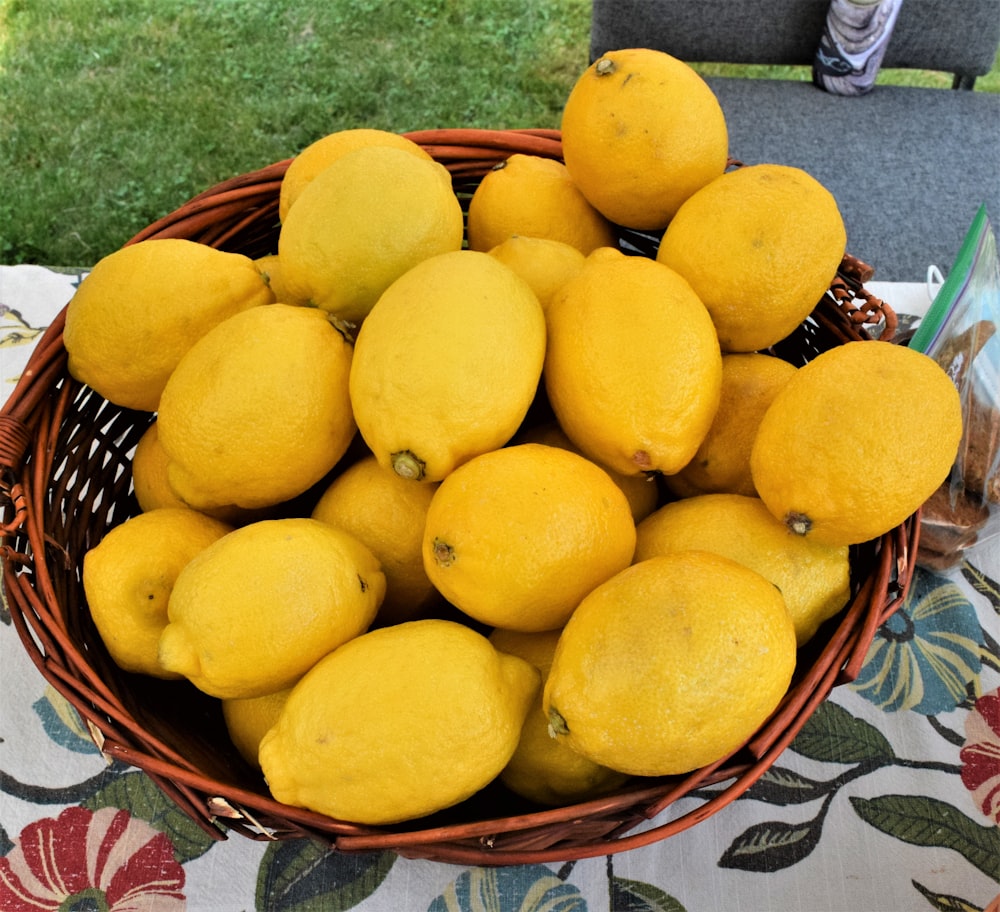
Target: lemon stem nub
{"x":557,"y":724}
{"x":406,"y":465}
{"x":798,"y":523}
{"x":642,"y":460}
{"x":605,"y":66}
{"x":444,"y":554}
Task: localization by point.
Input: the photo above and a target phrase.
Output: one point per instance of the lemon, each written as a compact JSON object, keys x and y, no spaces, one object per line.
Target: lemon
{"x":361,"y":223}
{"x":269,"y":267}
{"x":814,"y":579}
{"x":447,"y":364}
{"x":149,"y":473}
{"x":840,"y":473}
{"x":544,"y":769}
{"x":546,"y":265}
{"x":152,"y":486}
{"x":248,"y":719}
{"x":128,"y":577}
{"x":398,"y":723}
{"x":141,"y":308}
{"x":387,"y":513}
{"x":760,"y":245}
{"x":721,"y":464}
{"x":641,"y":132}
{"x":259,"y":409}
{"x":534,"y":196}
{"x":670,"y":665}
{"x":641,"y":491}
{"x":633,"y":369}
{"x":254,"y":611}
{"x":323,"y":152}
{"x":517,"y":536}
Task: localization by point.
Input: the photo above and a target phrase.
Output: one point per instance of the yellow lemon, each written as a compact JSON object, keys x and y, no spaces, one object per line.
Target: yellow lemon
{"x":633,"y":369}
{"x":814,"y":579}
{"x":269,"y":267}
{"x":842,"y":474}
{"x":398,"y":723}
{"x":129,"y":575}
{"x":760,"y":245}
{"x":152,"y":486}
{"x":248,"y":719}
{"x":534,"y":196}
{"x":750,"y":382}
{"x":543,"y":768}
{"x":361,"y":223}
{"x":517,"y":536}
{"x":253,"y":612}
{"x":149,"y":473}
{"x":641,"y":132}
{"x":546,"y":265}
{"x":641,"y":491}
{"x":387,"y":513}
{"x":324,"y":151}
{"x":259,"y":409}
{"x":670,"y":665}
{"x":142,"y":307}
{"x":447,"y":364}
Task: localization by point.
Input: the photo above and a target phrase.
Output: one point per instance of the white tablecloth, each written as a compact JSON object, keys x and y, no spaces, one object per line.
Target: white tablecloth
{"x":888,"y":800}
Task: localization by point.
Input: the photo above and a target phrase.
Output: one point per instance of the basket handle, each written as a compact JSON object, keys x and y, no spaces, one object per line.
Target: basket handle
{"x":18,"y":417}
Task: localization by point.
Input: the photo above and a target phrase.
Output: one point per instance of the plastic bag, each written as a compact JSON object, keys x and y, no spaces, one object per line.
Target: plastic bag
{"x":960,"y":333}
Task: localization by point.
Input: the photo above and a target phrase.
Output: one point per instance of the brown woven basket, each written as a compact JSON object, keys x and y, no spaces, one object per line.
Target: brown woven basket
{"x":65,"y":480}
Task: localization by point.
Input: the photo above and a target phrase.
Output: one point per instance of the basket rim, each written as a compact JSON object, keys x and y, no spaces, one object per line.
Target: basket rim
{"x":44,"y":396}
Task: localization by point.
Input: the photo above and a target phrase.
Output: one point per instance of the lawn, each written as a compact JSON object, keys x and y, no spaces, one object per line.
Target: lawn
{"x":115,"y":112}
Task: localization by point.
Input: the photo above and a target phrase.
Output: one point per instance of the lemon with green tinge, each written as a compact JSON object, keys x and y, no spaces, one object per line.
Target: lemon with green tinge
{"x":362,"y":222}
{"x":398,"y":723}
{"x":323,"y":152}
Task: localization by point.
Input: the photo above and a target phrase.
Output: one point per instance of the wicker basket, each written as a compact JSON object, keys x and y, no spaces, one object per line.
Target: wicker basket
{"x":65,"y":479}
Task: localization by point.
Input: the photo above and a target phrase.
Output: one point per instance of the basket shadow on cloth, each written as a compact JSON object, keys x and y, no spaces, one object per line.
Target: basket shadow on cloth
{"x":65,"y":480}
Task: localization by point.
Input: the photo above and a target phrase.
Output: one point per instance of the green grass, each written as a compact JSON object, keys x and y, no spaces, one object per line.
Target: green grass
{"x":117,"y":111}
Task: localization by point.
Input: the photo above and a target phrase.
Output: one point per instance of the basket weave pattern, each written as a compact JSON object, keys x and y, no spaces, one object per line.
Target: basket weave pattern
{"x":65,"y":480}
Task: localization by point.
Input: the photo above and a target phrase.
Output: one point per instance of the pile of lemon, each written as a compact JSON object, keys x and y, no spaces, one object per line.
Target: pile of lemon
{"x":425,"y":507}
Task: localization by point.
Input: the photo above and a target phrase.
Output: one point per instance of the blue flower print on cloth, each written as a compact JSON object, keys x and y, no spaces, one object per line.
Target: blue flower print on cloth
{"x":926,"y":655}
{"x":521,"y":888}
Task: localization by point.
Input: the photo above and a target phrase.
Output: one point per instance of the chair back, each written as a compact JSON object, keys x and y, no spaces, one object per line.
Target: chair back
{"x":954,"y":36}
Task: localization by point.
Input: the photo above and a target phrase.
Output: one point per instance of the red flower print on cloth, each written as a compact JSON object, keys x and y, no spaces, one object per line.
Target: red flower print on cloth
{"x":980,"y":755}
{"x":105,"y":859}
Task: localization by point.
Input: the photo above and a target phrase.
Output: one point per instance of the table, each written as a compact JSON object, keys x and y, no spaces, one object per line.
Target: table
{"x":889,"y":799}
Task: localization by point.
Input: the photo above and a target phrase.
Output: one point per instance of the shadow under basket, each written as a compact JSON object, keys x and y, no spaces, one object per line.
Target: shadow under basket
{"x":65,"y":480}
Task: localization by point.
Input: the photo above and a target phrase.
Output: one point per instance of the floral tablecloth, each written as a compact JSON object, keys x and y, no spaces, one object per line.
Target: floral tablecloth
{"x":889,"y":799}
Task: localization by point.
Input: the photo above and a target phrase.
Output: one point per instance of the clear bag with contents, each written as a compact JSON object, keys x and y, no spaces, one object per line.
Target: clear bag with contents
{"x":960,"y":333}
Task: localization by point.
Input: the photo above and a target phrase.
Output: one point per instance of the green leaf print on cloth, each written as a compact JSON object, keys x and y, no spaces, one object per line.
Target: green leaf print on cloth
{"x":303,"y":876}
{"x":929,"y":822}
